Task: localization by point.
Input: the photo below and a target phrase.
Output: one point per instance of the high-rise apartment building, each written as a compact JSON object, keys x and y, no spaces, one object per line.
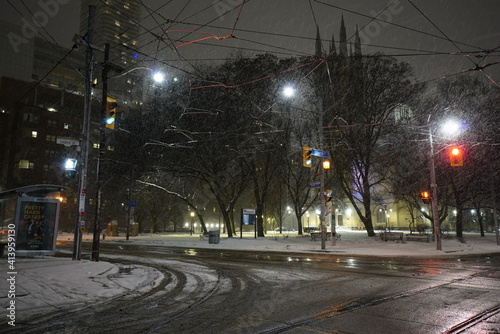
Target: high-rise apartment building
{"x":116,"y":23}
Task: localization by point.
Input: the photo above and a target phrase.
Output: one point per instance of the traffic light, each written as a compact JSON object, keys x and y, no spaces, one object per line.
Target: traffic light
{"x":426,"y":197}
{"x":456,"y":156}
{"x":306,"y":156}
{"x":326,"y":164}
{"x":70,"y":169}
{"x":328,"y":195}
{"x":110,"y":113}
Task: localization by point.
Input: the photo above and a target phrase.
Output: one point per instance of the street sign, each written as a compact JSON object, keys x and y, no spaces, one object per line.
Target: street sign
{"x":66,"y":141}
{"x":315,"y":185}
{"x":132,"y":204}
{"x":319,"y":153}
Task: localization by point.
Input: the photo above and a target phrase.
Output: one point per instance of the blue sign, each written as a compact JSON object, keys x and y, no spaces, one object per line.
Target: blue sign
{"x":315,"y":185}
{"x":132,"y":204}
{"x":248,"y":216}
{"x":319,"y":153}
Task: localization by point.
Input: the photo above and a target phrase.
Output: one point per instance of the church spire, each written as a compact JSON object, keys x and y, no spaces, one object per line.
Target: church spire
{"x":357,"y":44}
{"x":333,"y":48}
{"x":319,"y":49}
{"x":343,"y":38}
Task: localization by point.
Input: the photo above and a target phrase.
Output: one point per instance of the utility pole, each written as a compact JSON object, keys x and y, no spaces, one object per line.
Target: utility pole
{"x":434,"y":198}
{"x":322,"y":178}
{"x":102,"y":144}
{"x":130,"y":213}
{"x":332,"y":226}
{"x":84,"y":139}
{"x":494,"y":205}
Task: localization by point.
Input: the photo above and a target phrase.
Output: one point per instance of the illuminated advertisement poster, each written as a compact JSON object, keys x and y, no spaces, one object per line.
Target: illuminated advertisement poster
{"x":248,"y":216}
{"x":36,"y":223}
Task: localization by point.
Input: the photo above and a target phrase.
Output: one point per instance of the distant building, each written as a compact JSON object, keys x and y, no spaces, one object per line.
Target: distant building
{"x":116,"y":23}
{"x":34,"y":121}
{"x":41,"y":100}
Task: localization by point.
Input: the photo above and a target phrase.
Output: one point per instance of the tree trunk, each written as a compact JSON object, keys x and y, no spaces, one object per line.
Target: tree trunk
{"x":299,"y":223}
{"x":260,"y":220}
{"x":227,"y":222}
{"x":367,"y":220}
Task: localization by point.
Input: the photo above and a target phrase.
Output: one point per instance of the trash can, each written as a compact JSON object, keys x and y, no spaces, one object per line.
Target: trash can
{"x":134,"y":229}
{"x":213,"y":236}
{"x":113,"y":228}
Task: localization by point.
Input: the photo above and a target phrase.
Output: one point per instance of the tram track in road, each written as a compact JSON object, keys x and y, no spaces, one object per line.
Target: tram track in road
{"x":213,"y":292}
{"x":182,"y":292}
{"x":476,"y":320}
{"x":360,"y":304}
{"x":95,"y":315}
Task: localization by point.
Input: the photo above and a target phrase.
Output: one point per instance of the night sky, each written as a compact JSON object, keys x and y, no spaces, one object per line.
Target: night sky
{"x":438,"y":37}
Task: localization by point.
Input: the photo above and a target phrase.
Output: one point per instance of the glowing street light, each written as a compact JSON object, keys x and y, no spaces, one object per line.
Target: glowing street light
{"x":158,"y":77}
{"x":451,"y":127}
{"x":288,"y":91}
{"x":70,"y":164}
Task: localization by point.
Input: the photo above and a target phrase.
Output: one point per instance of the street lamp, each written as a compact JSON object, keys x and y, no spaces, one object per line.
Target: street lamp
{"x":192,"y":222}
{"x":450,"y":128}
{"x":70,"y":168}
{"x":288,"y":91}
{"x":158,"y":77}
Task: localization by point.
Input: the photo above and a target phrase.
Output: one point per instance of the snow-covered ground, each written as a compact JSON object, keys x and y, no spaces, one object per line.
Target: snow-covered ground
{"x":44,"y":284}
{"x":350,"y":243}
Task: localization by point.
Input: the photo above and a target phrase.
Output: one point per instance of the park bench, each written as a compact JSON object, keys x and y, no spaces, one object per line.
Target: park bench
{"x":393,"y":236}
{"x":418,"y":237}
{"x":203,"y":236}
{"x":315,"y":235}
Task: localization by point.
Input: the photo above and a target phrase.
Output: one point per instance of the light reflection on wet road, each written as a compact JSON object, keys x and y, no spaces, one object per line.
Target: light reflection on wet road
{"x":213,"y":291}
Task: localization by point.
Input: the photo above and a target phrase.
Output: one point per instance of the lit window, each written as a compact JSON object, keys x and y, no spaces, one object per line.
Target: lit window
{"x":117,"y":24}
{"x":24,"y":164}
{"x":34,"y":134}
{"x":66,"y":126}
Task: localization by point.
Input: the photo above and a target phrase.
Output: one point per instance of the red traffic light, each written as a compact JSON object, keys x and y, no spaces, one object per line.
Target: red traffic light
{"x":456,"y":156}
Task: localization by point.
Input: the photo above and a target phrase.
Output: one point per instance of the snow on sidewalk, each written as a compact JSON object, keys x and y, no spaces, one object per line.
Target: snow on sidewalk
{"x":45,"y":284}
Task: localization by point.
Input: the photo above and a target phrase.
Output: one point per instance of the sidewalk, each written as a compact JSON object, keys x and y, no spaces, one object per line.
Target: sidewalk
{"x":350,"y":243}
{"x":42,"y":285}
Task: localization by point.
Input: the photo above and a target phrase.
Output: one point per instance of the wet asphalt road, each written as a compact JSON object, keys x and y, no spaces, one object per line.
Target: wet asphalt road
{"x":214,"y":291}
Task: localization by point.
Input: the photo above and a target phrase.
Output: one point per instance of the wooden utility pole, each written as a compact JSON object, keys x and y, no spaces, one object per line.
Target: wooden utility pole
{"x":84,"y":139}
{"x":102,"y":145}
